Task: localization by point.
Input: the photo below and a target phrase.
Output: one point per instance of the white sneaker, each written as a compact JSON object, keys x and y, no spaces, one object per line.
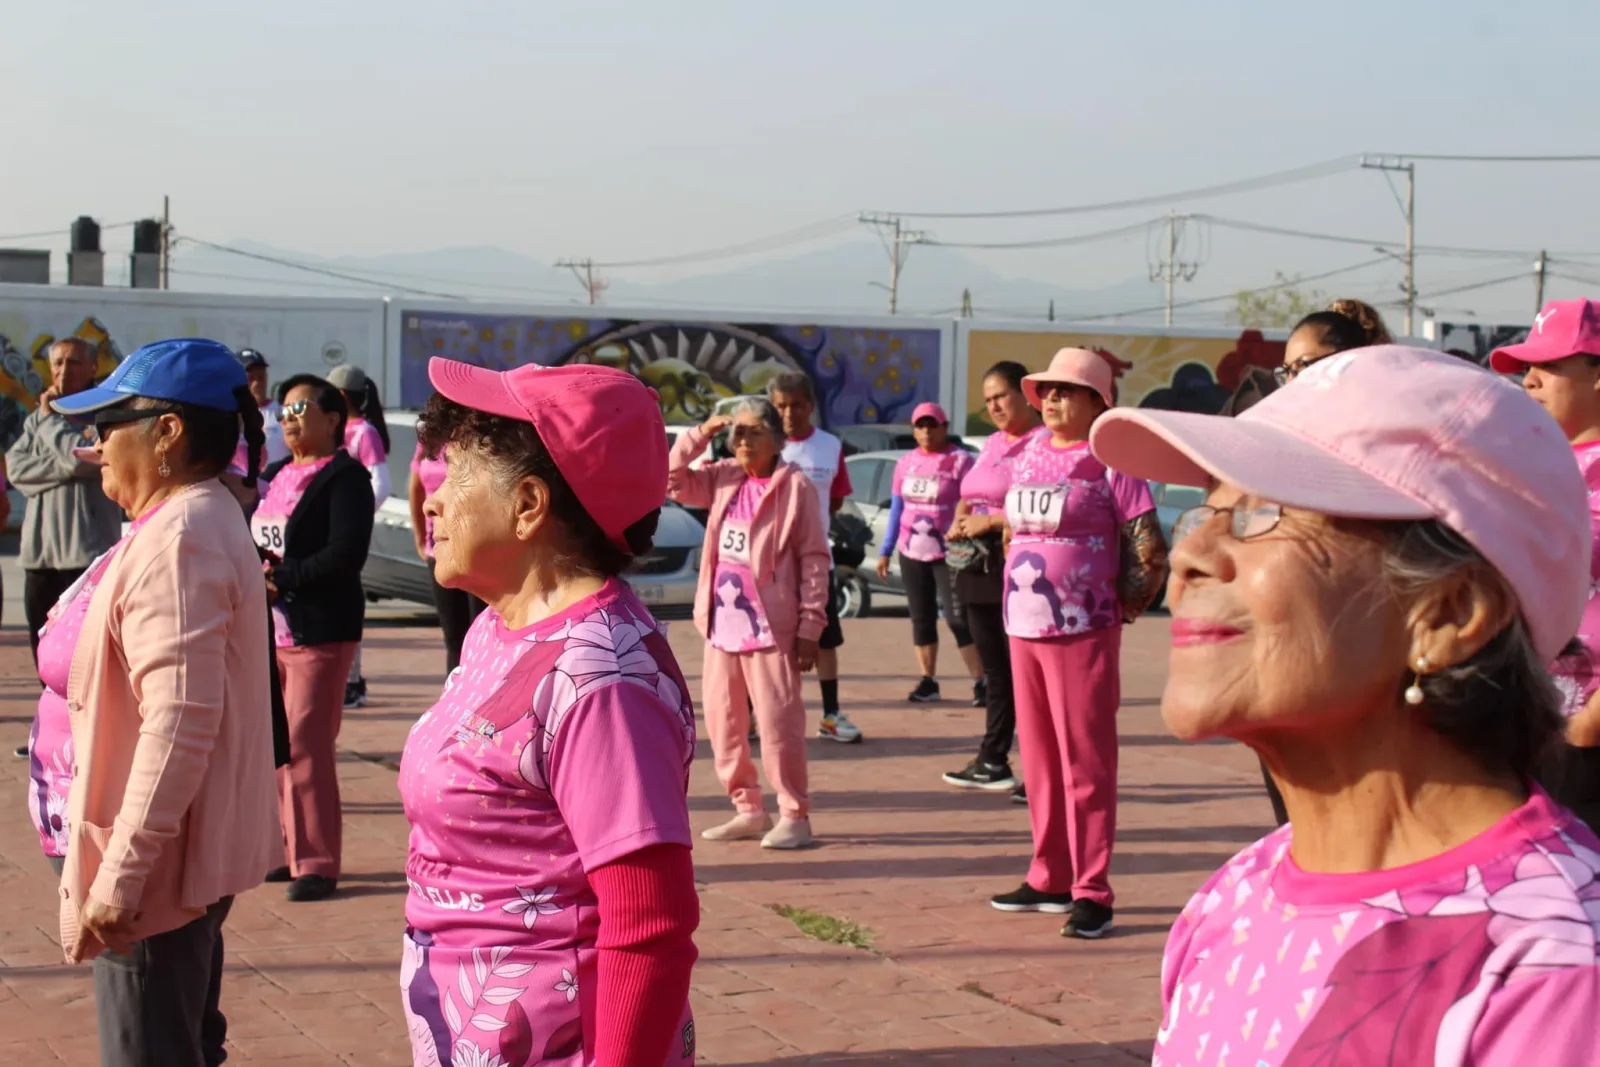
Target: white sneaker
{"x":839,"y":728}
{"x":742,"y":827}
{"x":790,"y":834}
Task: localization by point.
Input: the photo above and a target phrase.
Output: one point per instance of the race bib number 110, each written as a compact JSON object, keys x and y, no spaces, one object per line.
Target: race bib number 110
{"x":1035,"y":509}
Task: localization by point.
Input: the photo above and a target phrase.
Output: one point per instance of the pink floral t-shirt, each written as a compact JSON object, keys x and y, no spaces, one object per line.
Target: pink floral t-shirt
{"x":929,"y":487}
{"x":1579,"y":676}
{"x":1066,"y":510}
{"x":361,"y":440}
{"x":984,"y":485}
{"x":738,"y":618}
{"x":1484,"y":956}
{"x":432,"y":473}
{"x":553,"y":750}
{"x":271,"y":519}
{"x":50,"y":758}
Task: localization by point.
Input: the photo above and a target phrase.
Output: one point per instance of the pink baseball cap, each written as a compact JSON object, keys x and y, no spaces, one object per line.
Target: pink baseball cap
{"x":601,"y":426}
{"x":929,"y":410}
{"x":1075,"y":366}
{"x":1564,"y":328}
{"x":1396,"y":433}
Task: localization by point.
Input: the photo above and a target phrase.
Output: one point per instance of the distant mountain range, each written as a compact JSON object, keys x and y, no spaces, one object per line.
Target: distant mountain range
{"x":842,"y":278}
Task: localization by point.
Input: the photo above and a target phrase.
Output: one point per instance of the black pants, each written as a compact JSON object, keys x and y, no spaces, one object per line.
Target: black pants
{"x":1572,"y":778}
{"x":456,"y":610}
{"x":40,"y":591}
{"x":987,"y":623}
{"x":1279,"y":812}
{"x":923,"y":583}
{"x":157,"y":1004}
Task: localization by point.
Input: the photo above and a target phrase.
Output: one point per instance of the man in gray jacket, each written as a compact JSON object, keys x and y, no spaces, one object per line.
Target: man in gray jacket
{"x":69,"y":520}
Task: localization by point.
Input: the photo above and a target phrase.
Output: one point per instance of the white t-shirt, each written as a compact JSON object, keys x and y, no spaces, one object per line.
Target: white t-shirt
{"x":820,"y":457}
{"x":277,"y":448}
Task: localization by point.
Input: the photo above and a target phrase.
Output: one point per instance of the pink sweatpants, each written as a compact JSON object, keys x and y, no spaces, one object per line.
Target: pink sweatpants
{"x":308,"y":788}
{"x":771,"y":682}
{"x":1067,"y":693}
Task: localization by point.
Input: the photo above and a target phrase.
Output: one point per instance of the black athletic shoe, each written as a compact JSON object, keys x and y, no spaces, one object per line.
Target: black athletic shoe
{"x":980,"y":693}
{"x":1089,"y":920}
{"x":21,"y":752}
{"x":926,"y":692}
{"x":1019,"y":795}
{"x":279,"y":874}
{"x":309,"y":887}
{"x":981,"y":775}
{"x":355,"y":694}
{"x":1028,"y":898}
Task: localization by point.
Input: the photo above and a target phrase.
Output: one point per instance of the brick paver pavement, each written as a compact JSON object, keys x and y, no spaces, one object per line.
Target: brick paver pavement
{"x":949,"y":982}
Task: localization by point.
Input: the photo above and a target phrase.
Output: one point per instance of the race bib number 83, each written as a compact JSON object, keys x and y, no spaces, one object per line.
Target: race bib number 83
{"x":1035,"y":509}
{"x":920,"y":489}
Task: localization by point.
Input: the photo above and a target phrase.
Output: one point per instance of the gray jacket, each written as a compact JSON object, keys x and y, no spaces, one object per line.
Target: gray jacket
{"x":69,"y":520}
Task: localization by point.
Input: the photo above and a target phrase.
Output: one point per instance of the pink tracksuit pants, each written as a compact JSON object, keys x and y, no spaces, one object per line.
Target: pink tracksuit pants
{"x":1067,"y":693}
{"x":770,"y":681}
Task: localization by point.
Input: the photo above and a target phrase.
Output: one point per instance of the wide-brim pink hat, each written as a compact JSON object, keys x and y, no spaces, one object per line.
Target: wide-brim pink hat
{"x":1396,"y":433}
{"x":1074,"y":366}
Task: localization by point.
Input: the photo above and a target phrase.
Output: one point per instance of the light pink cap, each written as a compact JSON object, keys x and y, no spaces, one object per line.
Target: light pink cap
{"x":601,"y":426}
{"x":1564,"y":328}
{"x":1396,"y":433}
{"x":1075,"y":366}
{"x":929,"y":410}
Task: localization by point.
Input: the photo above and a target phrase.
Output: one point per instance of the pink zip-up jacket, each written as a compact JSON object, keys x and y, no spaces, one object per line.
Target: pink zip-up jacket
{"x":789,"y":555}
{"x":175,"y":801}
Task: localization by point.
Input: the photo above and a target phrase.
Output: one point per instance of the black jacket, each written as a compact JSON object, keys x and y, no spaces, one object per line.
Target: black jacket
{"x":324,"y":547}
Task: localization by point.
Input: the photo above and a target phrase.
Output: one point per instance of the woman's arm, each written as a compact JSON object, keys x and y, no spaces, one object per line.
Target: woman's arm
{"x":689,"y":487}
{"x":1144,"y":564}
{"x":419,"y":522}
{"x":350,"y":513}
{"x":379,"y":472}
{"x":649,"y":910}
{"x":891,"y":533}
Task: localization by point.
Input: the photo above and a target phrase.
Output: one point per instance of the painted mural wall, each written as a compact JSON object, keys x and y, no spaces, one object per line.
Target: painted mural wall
{"x":1151,"y":370}
{"x":862,"y":374}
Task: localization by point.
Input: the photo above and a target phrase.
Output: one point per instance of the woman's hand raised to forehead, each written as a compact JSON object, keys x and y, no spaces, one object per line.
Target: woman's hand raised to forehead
{"x":715,"y":425}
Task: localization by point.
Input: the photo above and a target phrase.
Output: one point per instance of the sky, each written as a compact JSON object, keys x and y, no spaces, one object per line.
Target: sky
{"x":632,"y":129}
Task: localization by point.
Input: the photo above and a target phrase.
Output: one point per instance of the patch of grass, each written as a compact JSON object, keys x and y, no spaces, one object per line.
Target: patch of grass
{"x":820,"y":927}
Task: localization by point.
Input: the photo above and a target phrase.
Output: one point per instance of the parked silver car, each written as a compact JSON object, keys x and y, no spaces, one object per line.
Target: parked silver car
{"x":665,"y":579}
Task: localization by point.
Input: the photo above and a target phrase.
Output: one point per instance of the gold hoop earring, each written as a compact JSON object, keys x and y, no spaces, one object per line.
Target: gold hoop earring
{"x":1414,"y":694}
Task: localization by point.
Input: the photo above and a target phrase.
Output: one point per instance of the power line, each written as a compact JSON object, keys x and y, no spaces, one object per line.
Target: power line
{"x":1443,"y":250}
{"x":1265,"y":181}
{"x":800,"y":235}
{"x":1491,"y":159}
{"x":65,"y":231}
{"x":1287,"y":283}
{"x":1053,"y":242}
{"x":308,"y":268}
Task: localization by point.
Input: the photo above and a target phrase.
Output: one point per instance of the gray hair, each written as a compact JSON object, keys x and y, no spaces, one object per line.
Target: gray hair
{"x":792,"y":381}
{"x":1500,"y":706}
{"x":762,"y":408}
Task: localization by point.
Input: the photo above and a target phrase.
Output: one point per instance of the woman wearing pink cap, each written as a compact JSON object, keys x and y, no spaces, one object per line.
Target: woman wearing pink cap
{"x":1560,"y":367}
{"x":1392,"y":548}
{"x":552,"y":902}
{"x":761,"y":605}
{"x":925,"y":491}
{"x":1085,"y":556}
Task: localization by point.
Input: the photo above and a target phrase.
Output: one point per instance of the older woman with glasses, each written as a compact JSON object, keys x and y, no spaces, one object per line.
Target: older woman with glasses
{"x":1392,"y":548}
{"x":761,"y":605}
{"x":158,"y":657}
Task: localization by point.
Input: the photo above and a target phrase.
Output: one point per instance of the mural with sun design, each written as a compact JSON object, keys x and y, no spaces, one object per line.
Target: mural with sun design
{"x":862,"y":374}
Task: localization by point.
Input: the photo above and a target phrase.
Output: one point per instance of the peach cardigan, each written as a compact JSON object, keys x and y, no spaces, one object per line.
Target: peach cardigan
{"x":174,"y":804}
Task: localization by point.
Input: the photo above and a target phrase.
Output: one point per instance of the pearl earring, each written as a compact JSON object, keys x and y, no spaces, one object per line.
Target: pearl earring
{"x":1414,"y":693}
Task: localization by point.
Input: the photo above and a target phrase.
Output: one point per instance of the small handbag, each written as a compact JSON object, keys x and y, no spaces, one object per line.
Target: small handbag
{"x":973,"y":555}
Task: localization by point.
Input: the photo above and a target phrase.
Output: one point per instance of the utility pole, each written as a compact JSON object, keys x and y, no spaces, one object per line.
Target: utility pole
{"x":1170,"y":270}
{"x":966,"y":303}
{"x":1538,"y":281}
{"x":1409,"y":288}
{"x":1052,"y":313}
{"x":166,"y":237}
{"x":898,"y":244}
{"x":583,"y":270}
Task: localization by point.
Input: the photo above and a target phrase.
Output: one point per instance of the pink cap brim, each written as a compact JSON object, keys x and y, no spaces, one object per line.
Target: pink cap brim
{"x":475,"y":387}
{"x":1512,"y":358}
{"x":1031,"y":383}
{"x":1258,"y":458}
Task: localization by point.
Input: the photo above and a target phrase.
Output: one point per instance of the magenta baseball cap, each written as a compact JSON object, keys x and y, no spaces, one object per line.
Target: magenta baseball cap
{"x":1074,"y":366}
{"x":1396,"y":433}
{"x":601,"y":426}
{"x":929,"y":410}
{"x":1564,"y":328}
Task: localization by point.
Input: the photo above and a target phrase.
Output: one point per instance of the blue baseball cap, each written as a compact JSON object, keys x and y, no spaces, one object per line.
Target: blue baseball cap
{"x":184,"y":371}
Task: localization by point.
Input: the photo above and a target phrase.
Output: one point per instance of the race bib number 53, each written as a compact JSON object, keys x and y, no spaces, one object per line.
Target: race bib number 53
{"x":734,"y":544}
{"x":1035,"y":509}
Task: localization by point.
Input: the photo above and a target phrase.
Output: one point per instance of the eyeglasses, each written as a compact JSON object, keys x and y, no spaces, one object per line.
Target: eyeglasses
{"x":1244,"y":523}
{"x":108,"y":419}
{"x":297,"y":410}
{"x":1289,"y":371}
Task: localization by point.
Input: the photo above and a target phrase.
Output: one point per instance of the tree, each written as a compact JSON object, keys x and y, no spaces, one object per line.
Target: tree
{"x":1278,"y":306}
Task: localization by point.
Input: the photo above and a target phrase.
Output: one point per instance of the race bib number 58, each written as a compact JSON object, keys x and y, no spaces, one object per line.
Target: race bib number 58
{"x":1035,"y":509}
{"x":269,"y":532}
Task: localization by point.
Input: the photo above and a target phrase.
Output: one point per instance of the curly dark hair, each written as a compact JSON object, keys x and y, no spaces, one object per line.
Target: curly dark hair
{"x":514,"y":450}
